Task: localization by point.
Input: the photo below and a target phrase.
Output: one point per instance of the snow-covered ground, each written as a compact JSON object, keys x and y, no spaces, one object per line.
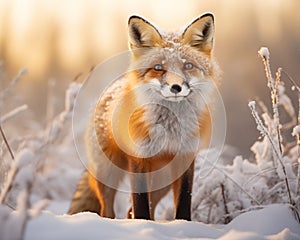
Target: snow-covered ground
{"x":272,"y":222}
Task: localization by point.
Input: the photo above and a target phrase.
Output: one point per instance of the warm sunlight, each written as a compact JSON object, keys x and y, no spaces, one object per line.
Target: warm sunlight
{"x":149,"y":119}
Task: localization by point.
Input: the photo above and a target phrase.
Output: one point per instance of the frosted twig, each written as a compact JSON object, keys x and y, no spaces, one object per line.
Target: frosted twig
{"x":227,"y":218}
{"x":273,"y":85}
{"x":273,"y":190}
{"x":6,"y":142}
{"x":20,"y":74}
{"x":265,"y":56}
{"x":38,"y":207}
{"x":21,"y":159}
{"x":295,"y":211}
{"x":261,"y":172}
{"x":295,"y":85}
{"x":277,"y":147}
{"x":13,"y":112}
{"x":209,"y":213}
{"x":261,"y":104}
{"x":275,"y":97}
{"x":237,"y":184}
{"x":296,"y":133}
{"x":9,"y":182}
{"x":264,"y":131}
{"x":259,"y":124}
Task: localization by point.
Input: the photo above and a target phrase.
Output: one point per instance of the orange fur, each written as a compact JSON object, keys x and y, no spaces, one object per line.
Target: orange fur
{"x":123,"y":121}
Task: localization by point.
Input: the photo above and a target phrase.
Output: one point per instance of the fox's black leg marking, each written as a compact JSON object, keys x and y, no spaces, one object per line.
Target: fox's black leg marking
{"x":140,"y":202}
{"x":140,"y":206}
{"x":183,"y":210}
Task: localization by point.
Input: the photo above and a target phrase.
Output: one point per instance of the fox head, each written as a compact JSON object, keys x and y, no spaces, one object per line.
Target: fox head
{"x":175,"y":65}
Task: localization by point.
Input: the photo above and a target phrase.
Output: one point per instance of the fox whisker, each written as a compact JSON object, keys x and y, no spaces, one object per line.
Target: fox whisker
{"x":197,"y":84}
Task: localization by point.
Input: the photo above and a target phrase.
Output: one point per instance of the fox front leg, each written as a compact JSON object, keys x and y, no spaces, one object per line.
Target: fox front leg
{"x":140,"y":206}
{"x":140,"y":201}
{"x":183,"y":194}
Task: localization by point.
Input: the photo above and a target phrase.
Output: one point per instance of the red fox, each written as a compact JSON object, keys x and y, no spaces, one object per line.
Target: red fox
{"x":155,"y":115}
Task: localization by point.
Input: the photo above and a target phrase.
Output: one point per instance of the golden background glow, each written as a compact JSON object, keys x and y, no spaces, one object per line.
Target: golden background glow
{"x":61,"y":39}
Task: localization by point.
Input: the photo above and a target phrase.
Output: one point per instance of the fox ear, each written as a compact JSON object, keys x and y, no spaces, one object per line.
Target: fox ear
{"x":142,"y":34}
{"x":200,"y":33}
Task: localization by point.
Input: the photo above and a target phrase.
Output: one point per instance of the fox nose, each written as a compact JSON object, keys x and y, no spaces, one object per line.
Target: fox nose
{"x":175,"y":88}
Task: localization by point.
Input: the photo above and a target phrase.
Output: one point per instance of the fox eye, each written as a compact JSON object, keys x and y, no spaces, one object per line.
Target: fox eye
{"x":158,"y":67}
{"x":188,"y":66}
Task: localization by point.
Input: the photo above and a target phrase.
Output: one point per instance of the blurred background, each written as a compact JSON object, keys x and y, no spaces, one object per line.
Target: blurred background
{"x":58,"y":41}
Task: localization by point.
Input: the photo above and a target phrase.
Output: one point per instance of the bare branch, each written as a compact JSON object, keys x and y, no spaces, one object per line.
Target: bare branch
{"x":227,"y":217}
{"x":6,"y":142}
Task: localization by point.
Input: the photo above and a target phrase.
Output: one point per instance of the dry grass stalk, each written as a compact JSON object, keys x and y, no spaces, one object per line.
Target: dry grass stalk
{"x":276,"y":146}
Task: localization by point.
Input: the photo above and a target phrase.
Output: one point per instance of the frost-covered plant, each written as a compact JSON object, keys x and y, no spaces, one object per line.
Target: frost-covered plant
{"x":225,"y":191}
{"x":283,"y":163}
{"x":273,"y":177}
{"x":49,"y":147}
{"x":37,"y":164}
{"x":13,"y":222}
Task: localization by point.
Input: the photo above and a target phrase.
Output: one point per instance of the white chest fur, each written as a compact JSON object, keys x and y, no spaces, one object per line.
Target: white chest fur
{"x":173,"y":128}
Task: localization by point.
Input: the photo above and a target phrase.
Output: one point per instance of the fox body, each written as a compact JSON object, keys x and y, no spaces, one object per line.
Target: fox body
{"x":155,"y":116}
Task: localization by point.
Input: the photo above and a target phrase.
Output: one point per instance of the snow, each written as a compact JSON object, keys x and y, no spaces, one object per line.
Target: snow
{"x":264,"y":52}
{"x":272,"y":222}
{"x":268,"y":221}
{"x":252,"y":104}
{"x":296,"y":130}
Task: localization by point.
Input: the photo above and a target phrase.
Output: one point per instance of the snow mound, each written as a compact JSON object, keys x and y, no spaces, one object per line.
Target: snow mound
{"x":272,"y":222}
